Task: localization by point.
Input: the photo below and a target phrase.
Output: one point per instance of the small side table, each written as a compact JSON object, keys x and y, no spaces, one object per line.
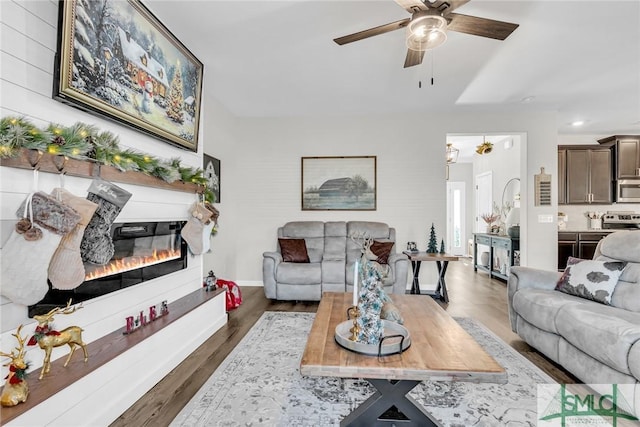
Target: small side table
{"x":442,"y":262}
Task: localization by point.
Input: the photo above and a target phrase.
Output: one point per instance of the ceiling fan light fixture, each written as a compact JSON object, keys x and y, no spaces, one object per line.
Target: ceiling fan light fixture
{"x":429,"y":40}
{"x":426,"y":31}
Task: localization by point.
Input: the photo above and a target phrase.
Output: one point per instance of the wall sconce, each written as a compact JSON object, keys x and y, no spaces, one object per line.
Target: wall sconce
{"x":452,"y":153}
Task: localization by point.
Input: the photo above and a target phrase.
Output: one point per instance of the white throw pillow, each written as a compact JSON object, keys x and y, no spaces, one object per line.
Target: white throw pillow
{"x":594,"y":280}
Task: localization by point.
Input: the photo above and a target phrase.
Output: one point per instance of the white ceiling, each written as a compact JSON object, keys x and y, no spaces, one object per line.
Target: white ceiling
{"x":277,"y":58}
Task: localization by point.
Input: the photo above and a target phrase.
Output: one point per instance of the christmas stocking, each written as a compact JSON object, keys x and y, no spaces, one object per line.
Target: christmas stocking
{"x":97,"y":245}
{"x":66,"y":270}
{"x":208,"y":227}
{"x":194,"y":230}
{"x":26,"y":255}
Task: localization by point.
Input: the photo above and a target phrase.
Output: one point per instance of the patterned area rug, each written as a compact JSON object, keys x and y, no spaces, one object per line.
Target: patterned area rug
{"x":259,"y":384}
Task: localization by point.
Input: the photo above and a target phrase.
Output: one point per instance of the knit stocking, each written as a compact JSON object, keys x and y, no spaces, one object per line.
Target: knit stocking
{"x":25,"y":257}
{"x":66,"y":270}
{"x":97,"y":245}
{"x":193,"y":231}
{"x":208,"y":227}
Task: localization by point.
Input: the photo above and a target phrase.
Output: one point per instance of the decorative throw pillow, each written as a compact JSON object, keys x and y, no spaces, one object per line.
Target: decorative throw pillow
{"x":382,"y":251}
{"x":594,"y":280}
{"x":293,"y":250}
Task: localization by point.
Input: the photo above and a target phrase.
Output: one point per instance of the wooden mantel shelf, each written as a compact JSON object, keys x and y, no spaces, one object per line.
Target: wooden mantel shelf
{"x":87,"y":169}
{"x":100,"y":351}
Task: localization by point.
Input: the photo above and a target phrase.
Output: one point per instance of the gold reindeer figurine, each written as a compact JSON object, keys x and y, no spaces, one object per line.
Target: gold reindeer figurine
{"x":16,"y":388}
{"x":47,"y":338}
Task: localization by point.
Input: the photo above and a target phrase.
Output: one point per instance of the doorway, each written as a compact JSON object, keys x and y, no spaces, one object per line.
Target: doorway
{"x":484,"y":199}
{"x":456,"y":214}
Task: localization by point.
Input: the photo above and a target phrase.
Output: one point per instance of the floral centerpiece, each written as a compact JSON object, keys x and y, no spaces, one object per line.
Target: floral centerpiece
{"x":490,"y":219}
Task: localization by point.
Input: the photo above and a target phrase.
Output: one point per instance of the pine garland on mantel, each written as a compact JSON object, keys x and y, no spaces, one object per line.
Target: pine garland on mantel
{"x":86,"y":142}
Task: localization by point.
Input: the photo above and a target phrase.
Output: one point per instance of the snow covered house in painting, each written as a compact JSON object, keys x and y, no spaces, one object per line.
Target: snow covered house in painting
{"x":139,"y":65}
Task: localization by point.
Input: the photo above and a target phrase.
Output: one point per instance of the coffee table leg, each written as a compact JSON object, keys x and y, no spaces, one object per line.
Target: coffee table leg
{"x":390,"y":394}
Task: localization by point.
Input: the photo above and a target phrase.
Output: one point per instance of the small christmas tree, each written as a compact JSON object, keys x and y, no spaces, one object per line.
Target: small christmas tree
{"x":442,"y":246}
{"x":176,"y":98}
{"x":432,"y":247}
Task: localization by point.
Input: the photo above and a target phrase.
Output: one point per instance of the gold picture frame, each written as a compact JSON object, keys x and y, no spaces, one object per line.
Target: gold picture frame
{"x":115,"y":59}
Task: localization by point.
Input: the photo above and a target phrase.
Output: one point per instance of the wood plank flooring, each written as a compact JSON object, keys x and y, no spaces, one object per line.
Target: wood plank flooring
{"x":471,"y":295}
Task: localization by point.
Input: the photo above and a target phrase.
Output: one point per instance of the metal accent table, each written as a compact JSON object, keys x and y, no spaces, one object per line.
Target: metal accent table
{"x":442,"y":262}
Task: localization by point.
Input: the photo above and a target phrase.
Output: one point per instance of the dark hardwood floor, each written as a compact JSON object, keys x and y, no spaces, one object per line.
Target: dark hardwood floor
{"x":471,"y":295}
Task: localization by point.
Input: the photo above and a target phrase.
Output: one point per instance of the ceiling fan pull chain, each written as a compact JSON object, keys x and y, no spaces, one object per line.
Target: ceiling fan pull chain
{"x":432,"y":61}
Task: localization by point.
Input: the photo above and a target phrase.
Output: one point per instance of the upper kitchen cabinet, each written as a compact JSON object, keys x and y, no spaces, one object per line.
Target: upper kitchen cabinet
{"x":588,"y":172}
{"x":562,"y":176}
{"x":627,"y":155}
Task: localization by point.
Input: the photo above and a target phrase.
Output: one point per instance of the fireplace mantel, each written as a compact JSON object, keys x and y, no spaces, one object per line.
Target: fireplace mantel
{"x":88,"y":169}
{"x":105,"y":350}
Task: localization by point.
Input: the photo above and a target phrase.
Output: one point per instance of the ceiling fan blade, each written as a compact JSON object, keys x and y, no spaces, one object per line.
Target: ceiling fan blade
{"x":477,"y":26}
{"x":414,"y":57}
{"x":411,"y":5}
{"x":375,"y":31}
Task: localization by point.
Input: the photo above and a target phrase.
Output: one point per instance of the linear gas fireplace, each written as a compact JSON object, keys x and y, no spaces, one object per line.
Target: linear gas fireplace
{"x":143,"y":251}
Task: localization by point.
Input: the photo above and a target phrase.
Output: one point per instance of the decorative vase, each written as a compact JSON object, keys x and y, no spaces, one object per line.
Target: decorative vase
{"x":514,"y":231}
{"x":484,"y":258}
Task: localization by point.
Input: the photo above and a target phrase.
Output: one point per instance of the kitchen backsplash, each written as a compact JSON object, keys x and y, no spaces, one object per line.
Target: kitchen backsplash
{"x":576,"y":215}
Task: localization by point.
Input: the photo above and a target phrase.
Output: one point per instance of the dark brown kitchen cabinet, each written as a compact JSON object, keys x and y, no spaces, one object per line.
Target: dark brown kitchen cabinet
{"x":587,"y":243}
{"x":562,"y":177}
{"x":627,"y":149}
{"x":567,"y":246}
{"x":589,"y":176}
{"x":578,"y":245}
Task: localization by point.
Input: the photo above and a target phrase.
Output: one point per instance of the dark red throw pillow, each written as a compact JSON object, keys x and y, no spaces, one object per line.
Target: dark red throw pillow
{"x":293,"y":250}
{"x":382,"y":251}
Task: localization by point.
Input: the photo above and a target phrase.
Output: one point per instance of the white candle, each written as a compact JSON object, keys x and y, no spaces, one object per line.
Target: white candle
{"x":355,"y":283}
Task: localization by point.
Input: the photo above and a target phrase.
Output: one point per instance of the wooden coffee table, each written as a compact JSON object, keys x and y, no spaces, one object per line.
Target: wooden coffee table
{"x":440,"y":351}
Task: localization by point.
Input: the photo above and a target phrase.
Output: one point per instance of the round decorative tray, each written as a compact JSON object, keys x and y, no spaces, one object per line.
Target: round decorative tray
{"x":396,"y":339}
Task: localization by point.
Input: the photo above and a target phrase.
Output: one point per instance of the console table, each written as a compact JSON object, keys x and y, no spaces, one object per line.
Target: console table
{"x":495,"y":242}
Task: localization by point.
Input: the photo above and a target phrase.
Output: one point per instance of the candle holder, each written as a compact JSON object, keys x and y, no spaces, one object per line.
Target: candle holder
{"x":354,"y":313}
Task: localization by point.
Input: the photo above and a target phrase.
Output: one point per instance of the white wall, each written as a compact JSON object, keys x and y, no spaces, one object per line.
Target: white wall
{"x":261,"y":178}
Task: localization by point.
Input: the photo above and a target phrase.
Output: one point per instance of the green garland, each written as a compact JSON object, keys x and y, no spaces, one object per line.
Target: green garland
{"x":86,"y":142}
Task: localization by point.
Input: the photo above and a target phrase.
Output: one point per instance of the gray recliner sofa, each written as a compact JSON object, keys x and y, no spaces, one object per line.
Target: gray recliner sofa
{"x":332,"y":254}
{"x":599,"y":344}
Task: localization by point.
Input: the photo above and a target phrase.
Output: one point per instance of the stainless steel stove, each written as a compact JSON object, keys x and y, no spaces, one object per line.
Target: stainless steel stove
{"x":621,"y":220}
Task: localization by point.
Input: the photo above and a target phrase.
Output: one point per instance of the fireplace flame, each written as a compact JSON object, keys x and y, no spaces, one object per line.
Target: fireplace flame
{"x":121,"y":265}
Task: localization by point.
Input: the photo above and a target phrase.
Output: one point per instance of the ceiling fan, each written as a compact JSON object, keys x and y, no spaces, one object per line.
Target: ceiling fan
{"x":427,"y":24}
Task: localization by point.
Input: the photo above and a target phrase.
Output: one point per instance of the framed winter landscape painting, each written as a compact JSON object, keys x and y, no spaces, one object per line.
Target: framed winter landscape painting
{"x":339,"y":183}
{"x":116,"y":59}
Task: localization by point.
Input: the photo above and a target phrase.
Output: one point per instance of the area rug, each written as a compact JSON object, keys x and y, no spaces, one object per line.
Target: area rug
{"x":259,"y":384}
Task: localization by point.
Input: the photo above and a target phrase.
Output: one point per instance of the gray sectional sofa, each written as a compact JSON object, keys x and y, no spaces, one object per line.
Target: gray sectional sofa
{"x":598,"y":343}
{"x":332,"y":254}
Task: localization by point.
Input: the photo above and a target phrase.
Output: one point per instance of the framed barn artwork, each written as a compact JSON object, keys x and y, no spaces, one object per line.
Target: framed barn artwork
{"x":115,"y":59}
{"x":339,"y":183}
{"x":211,"y":168}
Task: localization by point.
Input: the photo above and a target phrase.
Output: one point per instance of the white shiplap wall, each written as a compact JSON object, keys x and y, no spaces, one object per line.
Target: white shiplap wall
{"x":28,"y":43}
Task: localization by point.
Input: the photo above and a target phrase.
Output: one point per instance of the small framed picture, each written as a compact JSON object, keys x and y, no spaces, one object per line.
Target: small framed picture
{"x":211,"y":168}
